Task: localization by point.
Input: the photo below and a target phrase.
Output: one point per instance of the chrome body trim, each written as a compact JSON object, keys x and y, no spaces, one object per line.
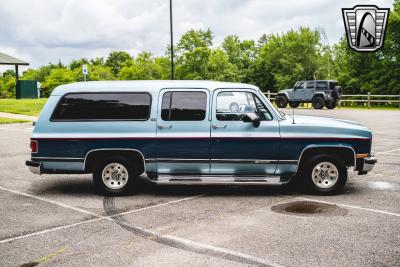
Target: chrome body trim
{"x":369,"y":164}
{"x":223,"y":179}
{"x":115,"y":149}
{"x":60,"y":158}
{"x":255,"y":161}
{"x":34,"y":167}
{"x":328,"y":146}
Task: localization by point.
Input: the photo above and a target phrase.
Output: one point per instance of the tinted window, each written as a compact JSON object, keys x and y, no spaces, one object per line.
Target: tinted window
{"x":310,"y":85}
{"x":184,"y":106}
{"x":322,"y":85}
{"x":107,"y":106}
{"x":231,"y":106}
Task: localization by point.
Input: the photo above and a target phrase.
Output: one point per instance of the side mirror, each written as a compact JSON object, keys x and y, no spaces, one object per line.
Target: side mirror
{"x":252,"y":117}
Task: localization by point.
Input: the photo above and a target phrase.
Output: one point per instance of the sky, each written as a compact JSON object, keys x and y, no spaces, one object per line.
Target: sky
{"x":43,"y":31}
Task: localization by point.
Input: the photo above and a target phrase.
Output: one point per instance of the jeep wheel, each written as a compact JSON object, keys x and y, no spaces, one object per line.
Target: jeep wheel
{"x":281,"y":101}
{"x":114,"y":176}
{"x":234,"y":107}
{"x":318,"y":102}
{"x":294,"y":104}
{"x":331,"y":104}
{"x":325,"y":174}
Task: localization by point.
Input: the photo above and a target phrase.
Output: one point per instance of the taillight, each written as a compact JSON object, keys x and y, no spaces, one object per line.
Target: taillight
{"x":34,"y":146}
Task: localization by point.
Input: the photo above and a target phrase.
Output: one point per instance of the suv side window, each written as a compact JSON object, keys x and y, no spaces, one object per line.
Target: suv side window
{"x":299,"y":85}
{"x":310,"y":85}
{"x":183,"y":106}
{"x":322,"y":86}
{"x":231,"y":106}
{"x":102,"y":106}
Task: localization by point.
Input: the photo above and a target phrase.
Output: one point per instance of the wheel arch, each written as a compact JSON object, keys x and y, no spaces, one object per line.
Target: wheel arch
{"x":134,"y":154}
{"x":285,"y":94}
{"x":318,"y":94}
{"x":346,"y":152}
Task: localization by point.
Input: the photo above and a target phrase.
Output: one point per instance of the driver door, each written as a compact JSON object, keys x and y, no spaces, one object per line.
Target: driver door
{"x":298,"y":91}
{"x":237,"y":147}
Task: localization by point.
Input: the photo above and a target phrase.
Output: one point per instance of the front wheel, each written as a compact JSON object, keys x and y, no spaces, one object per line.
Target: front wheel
{"x":114,"y":176}
{"x":281,"y":101}
{"x":325,"y":175}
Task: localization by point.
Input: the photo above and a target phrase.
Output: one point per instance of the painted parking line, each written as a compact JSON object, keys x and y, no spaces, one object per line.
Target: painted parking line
{"x":15,"y":129}
{"x":352,"y":207}
{"x":389,"y":151}
{"x":99,"y":217}
{"x":49,"y":201}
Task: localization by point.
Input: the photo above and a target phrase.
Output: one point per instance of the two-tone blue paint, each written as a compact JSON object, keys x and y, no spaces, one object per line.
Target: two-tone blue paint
{"x":206,"y":147}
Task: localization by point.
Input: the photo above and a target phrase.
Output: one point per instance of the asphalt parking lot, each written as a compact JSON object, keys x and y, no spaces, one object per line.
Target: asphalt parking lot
{"x":59,"y":220}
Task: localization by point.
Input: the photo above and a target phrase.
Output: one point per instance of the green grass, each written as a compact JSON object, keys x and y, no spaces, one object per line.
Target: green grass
{"x":22,"y":106}
{"x":7,"y":121}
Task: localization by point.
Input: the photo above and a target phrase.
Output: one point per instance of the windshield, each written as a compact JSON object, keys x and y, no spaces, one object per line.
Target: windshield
{"x":279,"y":113}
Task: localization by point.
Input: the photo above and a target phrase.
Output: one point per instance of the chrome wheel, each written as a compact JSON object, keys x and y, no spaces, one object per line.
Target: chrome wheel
{"x":115,"y":176}
{"x":325,"y":175}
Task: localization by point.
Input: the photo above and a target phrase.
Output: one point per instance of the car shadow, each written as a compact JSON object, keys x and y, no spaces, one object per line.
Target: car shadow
{"x":83,"y":185}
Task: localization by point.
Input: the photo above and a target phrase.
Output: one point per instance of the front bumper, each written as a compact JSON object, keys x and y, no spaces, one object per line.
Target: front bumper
{"x":34,"y":167}
{"x":367,"y":165}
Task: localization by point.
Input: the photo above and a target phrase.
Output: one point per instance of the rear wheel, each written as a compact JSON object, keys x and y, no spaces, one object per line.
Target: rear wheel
{"x":281,"y":101}
{"x":114,"y":176}
{"x":294,"y":104}
{"x":318,"y":102}
{"x":331,"y":104}
{"x":325,"y":174}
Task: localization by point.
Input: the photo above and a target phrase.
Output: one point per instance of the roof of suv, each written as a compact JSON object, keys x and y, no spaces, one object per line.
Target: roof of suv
{"x":332,"y":81}
{"x":150,"y":86}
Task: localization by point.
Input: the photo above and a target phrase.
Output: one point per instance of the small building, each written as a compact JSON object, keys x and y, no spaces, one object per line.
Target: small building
{"x":26,"y":89}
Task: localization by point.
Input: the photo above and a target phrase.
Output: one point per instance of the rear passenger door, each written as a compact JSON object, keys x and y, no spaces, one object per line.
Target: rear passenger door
{"x":183,"y":131}
{"x":309,"y":91}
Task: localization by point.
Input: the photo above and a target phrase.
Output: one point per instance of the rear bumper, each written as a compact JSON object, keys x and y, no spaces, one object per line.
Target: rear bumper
{"x":34,"y":167}
{"x":367,"y":165}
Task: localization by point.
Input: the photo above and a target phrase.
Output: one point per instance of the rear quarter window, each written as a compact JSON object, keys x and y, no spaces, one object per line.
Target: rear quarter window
{"x":102,"y":106}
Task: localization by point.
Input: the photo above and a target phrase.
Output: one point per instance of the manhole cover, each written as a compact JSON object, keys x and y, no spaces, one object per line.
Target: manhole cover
{"x":309,"y":208}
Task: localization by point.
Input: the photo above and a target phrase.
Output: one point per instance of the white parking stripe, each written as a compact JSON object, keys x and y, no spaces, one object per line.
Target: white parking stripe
{"x":353,"y":207}
{"x":383,"y":152}
{"x":18,"y":130}
{"x":99,"y":217}
{"x":49,"y":201}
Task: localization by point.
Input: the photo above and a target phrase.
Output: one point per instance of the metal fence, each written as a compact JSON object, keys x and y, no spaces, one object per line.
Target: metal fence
{"x":367,"y":99}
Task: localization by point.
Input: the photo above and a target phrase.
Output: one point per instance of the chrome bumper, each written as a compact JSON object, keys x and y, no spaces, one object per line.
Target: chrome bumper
{"x":34,"y":167}
{"x":369,"y":164}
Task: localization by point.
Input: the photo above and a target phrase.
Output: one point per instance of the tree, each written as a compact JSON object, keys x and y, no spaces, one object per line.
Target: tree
{"x":193,"y":50}
{"x":57,"y":77}
{"x":289,"y":57}
{"x":242,"y":54}
{"x":116,"y":60}
{"x":220,"y":69}
{"x":144,"y":67}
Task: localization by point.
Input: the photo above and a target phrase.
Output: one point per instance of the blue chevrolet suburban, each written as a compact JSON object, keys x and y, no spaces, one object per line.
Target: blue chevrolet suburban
{"x":191,"y":132}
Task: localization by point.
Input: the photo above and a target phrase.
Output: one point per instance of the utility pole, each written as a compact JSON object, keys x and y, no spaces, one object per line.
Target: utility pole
{"x":172,"y":40}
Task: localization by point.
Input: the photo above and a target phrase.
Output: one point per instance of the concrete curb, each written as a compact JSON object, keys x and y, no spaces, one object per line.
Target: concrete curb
{"x":18,"y":116}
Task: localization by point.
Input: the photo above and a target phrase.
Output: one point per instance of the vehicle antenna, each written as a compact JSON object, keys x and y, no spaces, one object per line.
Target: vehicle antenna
{"x":293,"y":116}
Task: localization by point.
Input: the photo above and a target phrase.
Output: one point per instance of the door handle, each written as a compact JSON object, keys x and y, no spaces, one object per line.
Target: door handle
{"x":219,"y":126}
{"x":164,"y":127}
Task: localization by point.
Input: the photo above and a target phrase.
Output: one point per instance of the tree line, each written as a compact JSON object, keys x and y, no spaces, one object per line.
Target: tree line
{"x":273,"y":62}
